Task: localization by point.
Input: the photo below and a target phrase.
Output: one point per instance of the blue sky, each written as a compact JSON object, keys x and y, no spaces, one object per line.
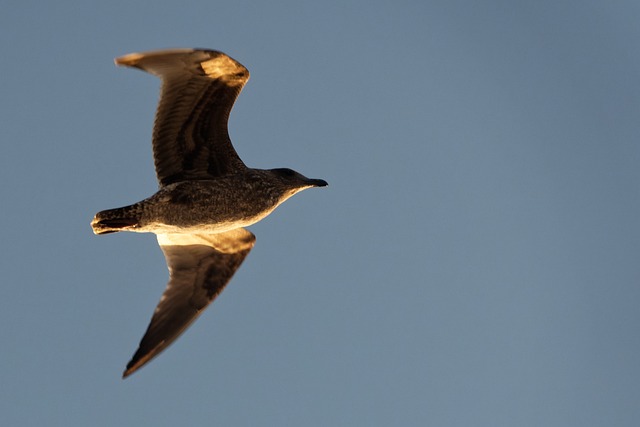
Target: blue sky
{"x":474,"y":260}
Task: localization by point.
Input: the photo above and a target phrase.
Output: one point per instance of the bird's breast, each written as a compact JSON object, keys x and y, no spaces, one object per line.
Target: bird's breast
{"x":207,"y":206}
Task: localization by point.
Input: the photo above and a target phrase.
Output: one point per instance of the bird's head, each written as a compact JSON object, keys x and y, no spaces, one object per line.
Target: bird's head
{"x":295,"y":182}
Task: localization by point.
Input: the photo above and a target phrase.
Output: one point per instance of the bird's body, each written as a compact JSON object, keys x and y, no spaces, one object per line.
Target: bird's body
{"x":206,"y":195}
{"x":201,"y":206}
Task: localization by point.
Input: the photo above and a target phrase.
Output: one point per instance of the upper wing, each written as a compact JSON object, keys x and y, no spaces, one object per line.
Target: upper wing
{"x":190,"y":136}
{"x":200,"y":265}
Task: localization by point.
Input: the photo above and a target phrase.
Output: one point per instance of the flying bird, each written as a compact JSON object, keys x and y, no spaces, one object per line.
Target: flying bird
{"x":206,"y":194}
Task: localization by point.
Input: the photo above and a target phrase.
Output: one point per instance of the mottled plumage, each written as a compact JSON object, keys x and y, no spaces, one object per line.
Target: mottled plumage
{"x":206,"y":192}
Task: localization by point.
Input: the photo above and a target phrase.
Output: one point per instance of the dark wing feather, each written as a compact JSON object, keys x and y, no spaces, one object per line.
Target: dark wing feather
{"x":199,"y":88}
{"x":200,"y":266}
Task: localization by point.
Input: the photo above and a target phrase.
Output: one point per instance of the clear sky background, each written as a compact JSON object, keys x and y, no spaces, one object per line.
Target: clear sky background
{"x":475,"y":260}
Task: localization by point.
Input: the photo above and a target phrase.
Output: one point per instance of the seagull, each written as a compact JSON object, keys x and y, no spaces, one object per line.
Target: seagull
{"x":206,"y":194}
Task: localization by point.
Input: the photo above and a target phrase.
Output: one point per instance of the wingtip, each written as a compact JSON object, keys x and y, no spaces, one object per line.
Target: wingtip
{"x":133,"y":366}
{"x":130,"y":369}
{"x":136,"y":363}
{"x":134,"y":59}
{"x":129,"y":60}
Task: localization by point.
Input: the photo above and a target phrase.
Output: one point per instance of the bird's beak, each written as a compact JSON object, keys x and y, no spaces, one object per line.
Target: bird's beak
{"x":318,"y":182}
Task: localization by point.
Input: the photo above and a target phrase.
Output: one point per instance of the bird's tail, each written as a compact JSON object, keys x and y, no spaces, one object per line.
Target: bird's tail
{"x":114,"y":220}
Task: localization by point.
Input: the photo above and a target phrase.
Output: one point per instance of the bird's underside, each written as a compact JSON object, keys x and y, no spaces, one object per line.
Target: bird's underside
{"x":206,"y":196}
